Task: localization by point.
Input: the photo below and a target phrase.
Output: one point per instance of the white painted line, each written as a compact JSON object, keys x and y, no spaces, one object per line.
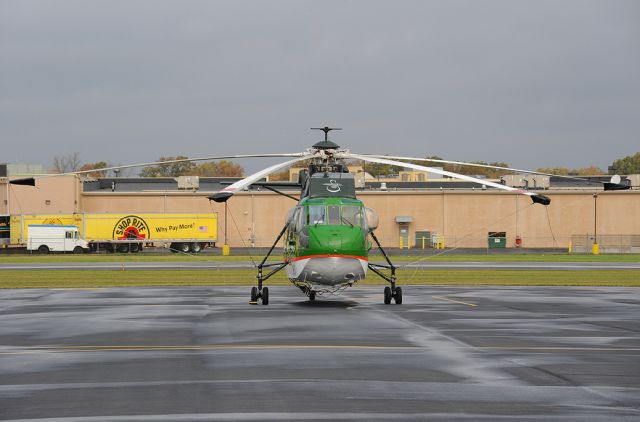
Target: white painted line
{"x":454,"y":301}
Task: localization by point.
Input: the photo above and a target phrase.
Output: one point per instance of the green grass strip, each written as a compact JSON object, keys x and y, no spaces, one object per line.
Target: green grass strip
{"x":446,"y":257}
{"x":12,"y":279}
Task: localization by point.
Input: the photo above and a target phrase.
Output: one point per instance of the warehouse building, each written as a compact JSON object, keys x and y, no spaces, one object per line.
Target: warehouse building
{"x":412,"y":214}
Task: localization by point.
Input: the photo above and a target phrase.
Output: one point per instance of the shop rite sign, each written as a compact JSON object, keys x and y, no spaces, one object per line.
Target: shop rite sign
{"x":134,"y":227}
{"x":131,"y":227}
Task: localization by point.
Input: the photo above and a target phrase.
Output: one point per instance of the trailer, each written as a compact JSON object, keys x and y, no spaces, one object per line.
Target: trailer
{"x":5,"y":232}
{"x":111,"y":232}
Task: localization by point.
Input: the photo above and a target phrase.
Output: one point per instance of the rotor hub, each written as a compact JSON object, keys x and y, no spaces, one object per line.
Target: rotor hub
{"x":326,"y":144}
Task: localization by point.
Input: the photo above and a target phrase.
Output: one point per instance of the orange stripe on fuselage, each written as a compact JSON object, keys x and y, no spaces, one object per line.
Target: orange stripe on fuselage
{"x":298,"y":258}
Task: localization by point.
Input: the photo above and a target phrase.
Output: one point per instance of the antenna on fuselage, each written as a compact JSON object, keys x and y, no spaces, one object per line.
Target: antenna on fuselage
{"x":326,"y":144}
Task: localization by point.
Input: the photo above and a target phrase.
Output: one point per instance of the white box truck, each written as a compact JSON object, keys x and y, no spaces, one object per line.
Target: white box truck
{"x":45,"y":238}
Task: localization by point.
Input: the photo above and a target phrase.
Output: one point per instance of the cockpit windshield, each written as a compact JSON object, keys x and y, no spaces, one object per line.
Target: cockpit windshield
{"x":336,"y":215}
{"x":352,"y":215}
{"x":316,"y":215}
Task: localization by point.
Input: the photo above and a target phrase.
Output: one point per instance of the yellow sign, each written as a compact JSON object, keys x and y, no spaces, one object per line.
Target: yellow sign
{"x":150,"y":227}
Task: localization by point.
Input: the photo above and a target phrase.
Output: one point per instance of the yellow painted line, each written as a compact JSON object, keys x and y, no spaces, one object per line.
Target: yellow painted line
{"x":80,"y":288}
{"x":125,"y":348}
{"x":454,"y":301}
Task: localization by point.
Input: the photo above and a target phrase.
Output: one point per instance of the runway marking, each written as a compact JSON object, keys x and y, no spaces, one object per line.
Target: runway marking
{"x":125,"y":348}
{"x":258,"y":416}
{"x":149,"y":348}
{"x":454,"y":301}
{"x":565,"y":349}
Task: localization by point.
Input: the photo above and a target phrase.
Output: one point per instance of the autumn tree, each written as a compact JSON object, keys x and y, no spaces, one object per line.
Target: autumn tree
{"x":93,"y":166}
{"x":223,"y":168}
{"x":66,"y":163}
{"x":565,"y":171}
{"x":280,"y":176}
{"x":376,"y":169}
{"x":590,"y":171}
{"x":470,"y":170}
{"x":169,"y":169}
{"x":627,"y":165}
{"x":380,"y":170}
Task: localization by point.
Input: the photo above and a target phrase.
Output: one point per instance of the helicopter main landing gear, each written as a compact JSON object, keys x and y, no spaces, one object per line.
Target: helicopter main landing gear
{"x":395,"y":294}
{"x":260,"y":292}
{"x":390,"y":292}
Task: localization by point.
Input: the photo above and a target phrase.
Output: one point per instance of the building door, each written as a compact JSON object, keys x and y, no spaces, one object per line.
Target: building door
{"x":404,"y":236}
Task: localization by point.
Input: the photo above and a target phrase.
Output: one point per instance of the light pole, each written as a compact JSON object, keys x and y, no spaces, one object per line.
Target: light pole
{"x":595,"y":249}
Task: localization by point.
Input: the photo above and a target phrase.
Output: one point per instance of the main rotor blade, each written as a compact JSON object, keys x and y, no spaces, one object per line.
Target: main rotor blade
{"x":607,"y":185}
{"x":181,"y":160}
{"x":535,"y":197}
{"x":227,"y":192}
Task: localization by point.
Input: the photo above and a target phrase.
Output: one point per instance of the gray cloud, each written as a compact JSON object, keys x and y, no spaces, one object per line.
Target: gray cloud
{"x":536,"y":83}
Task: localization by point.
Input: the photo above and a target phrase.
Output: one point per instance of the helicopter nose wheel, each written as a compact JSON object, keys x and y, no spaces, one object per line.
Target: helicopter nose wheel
{"x":257,"y":294}
{"x":395,"y":294}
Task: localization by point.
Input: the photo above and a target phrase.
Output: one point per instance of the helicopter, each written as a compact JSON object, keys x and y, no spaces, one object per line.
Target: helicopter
{"x":327,"y":235}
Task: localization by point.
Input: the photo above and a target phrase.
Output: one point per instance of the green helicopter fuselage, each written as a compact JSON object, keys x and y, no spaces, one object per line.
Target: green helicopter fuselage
{"x":326,"y":240}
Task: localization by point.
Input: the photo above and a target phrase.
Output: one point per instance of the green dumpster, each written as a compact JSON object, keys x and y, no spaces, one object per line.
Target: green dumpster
{"x":423,"y":238}
{"x":497,"y":240}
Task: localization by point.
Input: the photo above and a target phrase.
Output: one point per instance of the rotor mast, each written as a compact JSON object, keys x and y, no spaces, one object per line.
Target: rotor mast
{"x":326,"y":144}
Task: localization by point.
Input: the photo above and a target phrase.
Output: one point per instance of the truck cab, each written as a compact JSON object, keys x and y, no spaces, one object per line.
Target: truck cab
{"x":45,"y":238}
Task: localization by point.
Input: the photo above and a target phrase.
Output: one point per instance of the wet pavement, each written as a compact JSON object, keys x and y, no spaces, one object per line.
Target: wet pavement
{"x":204,"y":353}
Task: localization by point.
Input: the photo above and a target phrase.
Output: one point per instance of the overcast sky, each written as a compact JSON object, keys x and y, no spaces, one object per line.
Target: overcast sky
{"x":532,"y":83}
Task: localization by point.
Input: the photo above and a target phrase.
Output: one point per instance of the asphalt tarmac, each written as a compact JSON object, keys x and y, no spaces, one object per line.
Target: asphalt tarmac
{"x":204,"y":353}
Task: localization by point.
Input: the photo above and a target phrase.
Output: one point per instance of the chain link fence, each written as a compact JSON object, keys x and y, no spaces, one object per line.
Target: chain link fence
{"x":609,"y":243}
{"x":619,"y":243}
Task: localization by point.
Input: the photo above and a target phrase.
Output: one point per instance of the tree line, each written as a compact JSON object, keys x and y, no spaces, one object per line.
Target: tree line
{"x":223,"y":168}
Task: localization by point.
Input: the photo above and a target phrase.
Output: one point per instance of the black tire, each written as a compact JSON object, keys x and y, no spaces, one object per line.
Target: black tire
{"x":183,"y":247}
{"x":43,"y":249}
{"x":387,"y":295}
{"x":398,"y":296}
{"x":173,"y":247}
{"x":312,"y":296}
{"x":122,"y":247}
{"x":265,"y":295}
{"x":195,"y":247}
{"x":254,"y":294}
{"x":134,"y":247}
{"x":78,"y":250}
{"x":109,"y":248}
